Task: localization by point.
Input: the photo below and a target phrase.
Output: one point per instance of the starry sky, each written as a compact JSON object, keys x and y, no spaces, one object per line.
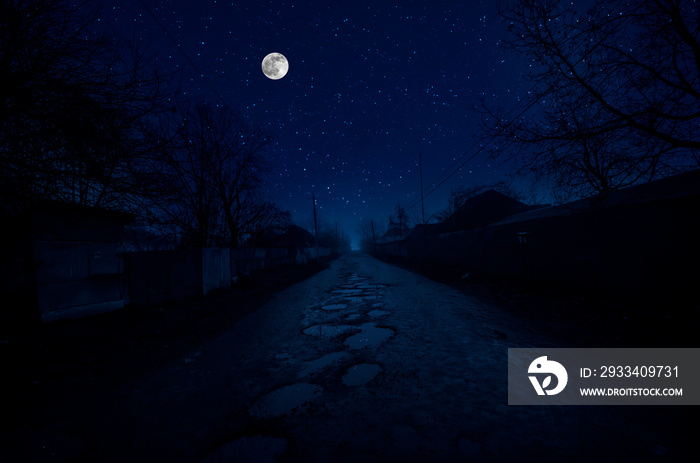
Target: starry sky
{"x":371,"y":84}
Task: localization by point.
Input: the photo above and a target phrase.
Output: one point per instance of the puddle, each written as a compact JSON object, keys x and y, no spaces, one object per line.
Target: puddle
{"x":370,"y":286}
{"x":353,"y":316}
{"x":378,"y":304}
{"x":378,"y":313}
{"x":334,"y":307}
{"x":252,"y":449}
{"x":370,"y":335}
{"x":329,"y":331}
{"x":284,"y":400}
{"x":321,"y":363}
{"x":363,"y":373}
{"x":361,"y":298}
{"x":348,"y":292}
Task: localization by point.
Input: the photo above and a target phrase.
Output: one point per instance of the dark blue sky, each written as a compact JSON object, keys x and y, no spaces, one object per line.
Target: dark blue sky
{"x":370,"y":85}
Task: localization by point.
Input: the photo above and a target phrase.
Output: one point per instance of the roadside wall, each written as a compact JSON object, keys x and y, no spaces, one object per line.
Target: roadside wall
{"x":76,"y":278}
{"x":648,"y":252}
{"x":70,"y":260}
{"x":216,"y":269}
{"x":62,"y":261}
{"x":154,"y":277}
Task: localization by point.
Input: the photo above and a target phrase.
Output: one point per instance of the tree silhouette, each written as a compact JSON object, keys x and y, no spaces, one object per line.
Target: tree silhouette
{"x":399,"y":223}
{"x":617,"y":90}
{"x":73,"y":102}
{"x":208,"y":172}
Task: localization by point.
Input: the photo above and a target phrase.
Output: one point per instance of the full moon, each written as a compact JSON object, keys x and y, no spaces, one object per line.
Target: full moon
{"x":275,"y":66}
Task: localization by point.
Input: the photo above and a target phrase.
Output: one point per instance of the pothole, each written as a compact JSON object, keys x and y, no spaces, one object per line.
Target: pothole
{"x":359,"y":298}
{"x":371,"y":335}
{"x":347,"y":291}
{"x":358,"y":375}
{"x":284,"y":400}
{"x":334,"y":306}
{"x":377,"y":313}
{"x":319,"y":364}
{"x":329,"y":331}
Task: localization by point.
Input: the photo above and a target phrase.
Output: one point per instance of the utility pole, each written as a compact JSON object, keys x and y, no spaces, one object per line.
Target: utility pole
{"x":374,"y":238}
{"x":313,"y":198}
{"x":420,"y":169}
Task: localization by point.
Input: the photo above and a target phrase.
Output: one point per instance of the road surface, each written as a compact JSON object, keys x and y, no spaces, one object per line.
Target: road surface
{"x":362,"y":362}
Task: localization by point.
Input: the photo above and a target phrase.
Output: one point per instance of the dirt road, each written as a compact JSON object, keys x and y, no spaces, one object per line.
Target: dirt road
{"x":362,"y":362}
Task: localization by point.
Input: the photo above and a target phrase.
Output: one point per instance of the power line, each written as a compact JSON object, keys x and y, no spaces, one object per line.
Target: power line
{"x":437,"y":182}
{"x":483,"y":146}
{"x":450,"y":172}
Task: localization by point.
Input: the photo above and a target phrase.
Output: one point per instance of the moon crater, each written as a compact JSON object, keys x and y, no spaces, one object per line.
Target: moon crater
{"x":275,"y":66}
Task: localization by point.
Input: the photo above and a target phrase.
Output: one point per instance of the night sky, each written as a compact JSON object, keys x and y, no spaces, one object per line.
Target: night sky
{"x":370,"y":85}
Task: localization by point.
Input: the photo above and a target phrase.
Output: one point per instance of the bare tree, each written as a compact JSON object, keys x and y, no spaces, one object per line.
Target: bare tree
{"x":617,"y":90}
{"x":72,"y":104}
{"x":210,"y":163}
{"x":399,"y":223}
{"x":402,"y":218}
